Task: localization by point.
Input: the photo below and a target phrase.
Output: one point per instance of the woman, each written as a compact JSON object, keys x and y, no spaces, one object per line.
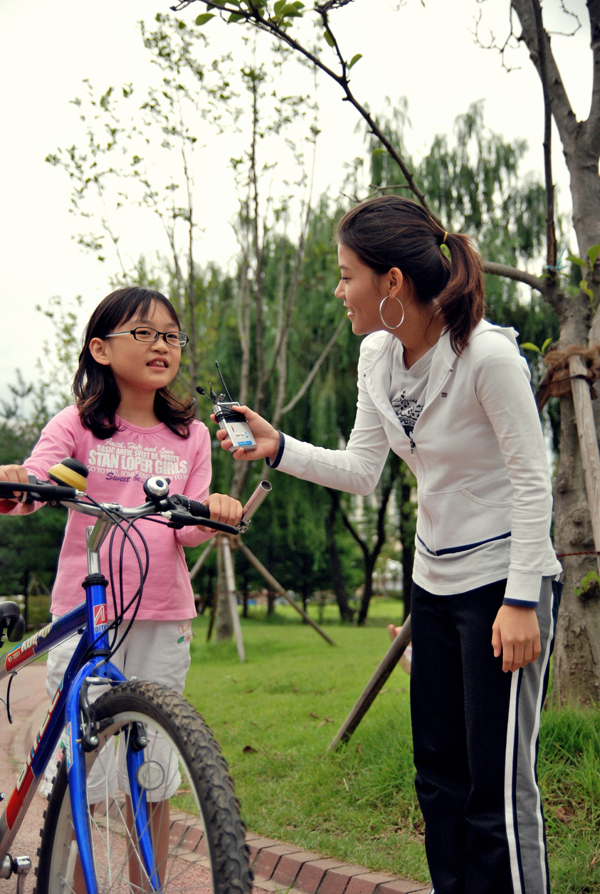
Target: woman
{"x":450,"y":394}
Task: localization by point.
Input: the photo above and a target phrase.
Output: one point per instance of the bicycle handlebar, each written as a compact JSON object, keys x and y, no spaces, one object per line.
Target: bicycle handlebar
{"x":178,"y":510}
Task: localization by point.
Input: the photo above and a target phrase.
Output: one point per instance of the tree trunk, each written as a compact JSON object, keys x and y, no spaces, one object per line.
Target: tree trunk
{"x":224,"y":621}
{"x":577,"y":654}
{"x":368,"y":589}
{"x":407,"y":539}
{"x":335,"y":564}
{"x":577,"y":650}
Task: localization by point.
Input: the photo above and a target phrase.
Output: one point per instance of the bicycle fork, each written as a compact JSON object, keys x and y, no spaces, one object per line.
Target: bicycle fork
{"x":82,"y":736}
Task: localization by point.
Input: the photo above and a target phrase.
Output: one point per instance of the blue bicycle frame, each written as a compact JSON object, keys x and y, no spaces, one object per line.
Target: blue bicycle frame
{"x":90,"y":620}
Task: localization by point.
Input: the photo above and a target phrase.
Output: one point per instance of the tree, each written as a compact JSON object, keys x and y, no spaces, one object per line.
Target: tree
{"x":577,"y":661}
{"x":577,"y":656}
{"x":245,"y":316}
{"x":21,"y":420}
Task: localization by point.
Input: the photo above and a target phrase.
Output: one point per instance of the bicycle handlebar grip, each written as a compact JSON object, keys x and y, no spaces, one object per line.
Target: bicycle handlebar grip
{"x":194,"y":507}
{"x":38,"y":490}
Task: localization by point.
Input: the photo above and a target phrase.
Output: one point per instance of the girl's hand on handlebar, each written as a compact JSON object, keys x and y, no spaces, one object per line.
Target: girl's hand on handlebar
{"x":223,"y":509}
{"x":14,"y":473}
{"x":266,"y":437}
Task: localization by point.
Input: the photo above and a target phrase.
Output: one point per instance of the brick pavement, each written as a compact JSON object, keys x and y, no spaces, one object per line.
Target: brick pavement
{"x":279,"y":868}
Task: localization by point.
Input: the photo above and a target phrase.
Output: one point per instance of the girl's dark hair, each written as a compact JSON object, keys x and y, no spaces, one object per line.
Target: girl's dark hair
{"x":389,"y":231}
{"x":96,"y":392}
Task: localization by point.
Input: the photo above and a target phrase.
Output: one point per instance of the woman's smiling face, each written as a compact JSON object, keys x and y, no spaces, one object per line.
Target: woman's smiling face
{"x":361,"y":290}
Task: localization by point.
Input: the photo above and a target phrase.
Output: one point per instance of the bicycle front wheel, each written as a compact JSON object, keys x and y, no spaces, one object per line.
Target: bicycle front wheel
{"x":193,"y":815}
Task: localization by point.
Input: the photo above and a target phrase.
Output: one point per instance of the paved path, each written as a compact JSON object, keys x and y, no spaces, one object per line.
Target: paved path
{"x":279,"y":868}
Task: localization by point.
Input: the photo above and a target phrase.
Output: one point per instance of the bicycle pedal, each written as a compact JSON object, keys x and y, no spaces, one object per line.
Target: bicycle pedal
{"x":18,"y":866}
{"x":21,"y":867}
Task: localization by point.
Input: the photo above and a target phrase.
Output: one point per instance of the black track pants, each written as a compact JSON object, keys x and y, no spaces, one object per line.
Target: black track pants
{"x":475,"y":736}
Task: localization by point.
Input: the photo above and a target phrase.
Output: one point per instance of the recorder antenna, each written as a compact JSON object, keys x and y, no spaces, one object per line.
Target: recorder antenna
{"x":223,"y":382}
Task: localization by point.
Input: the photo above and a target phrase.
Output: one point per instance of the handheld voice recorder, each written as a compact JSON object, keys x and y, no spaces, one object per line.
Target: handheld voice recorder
{"x":238,"y":430}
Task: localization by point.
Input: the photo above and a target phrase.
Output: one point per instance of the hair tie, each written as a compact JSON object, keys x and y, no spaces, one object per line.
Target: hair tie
{"x":443,"y":247}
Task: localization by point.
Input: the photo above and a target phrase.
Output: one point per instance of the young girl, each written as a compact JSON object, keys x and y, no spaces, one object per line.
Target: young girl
{"x":450,"y":394}
{"x":125,"y":426}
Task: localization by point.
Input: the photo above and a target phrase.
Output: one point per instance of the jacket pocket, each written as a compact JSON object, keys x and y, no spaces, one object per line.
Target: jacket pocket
{"x":476,"y":493}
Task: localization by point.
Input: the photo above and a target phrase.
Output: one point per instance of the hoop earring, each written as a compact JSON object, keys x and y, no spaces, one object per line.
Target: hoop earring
{"x":387,"y":325}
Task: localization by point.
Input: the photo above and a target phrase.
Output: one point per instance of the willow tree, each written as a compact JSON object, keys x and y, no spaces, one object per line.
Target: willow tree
{"x":577,"y":664}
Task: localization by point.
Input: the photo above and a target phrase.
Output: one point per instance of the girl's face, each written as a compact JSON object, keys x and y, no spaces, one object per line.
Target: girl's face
{"x":140,"y":366}
{"x":361,"y":290}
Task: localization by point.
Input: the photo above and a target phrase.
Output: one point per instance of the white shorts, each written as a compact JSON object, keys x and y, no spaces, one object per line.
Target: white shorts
{"x":158,"y":651}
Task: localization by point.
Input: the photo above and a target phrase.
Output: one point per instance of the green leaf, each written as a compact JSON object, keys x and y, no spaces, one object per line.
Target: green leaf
{"x":546,"y":345}
{"x":592,"y":253}
{"x":204,"y":18}
{"x":278,"y":7}
{"x":445,"y":251}
{"x":236,"y":17}
{"x":329,"y":39}
{"x":527,"y":346}
{"x":575,"y":260}
{"x":354,"y":60}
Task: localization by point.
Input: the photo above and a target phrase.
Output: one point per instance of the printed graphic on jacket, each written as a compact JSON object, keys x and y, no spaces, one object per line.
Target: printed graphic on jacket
{"x":407,"y":410}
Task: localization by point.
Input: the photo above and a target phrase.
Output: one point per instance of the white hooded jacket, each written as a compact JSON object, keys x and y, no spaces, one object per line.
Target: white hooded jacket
{"x":477,"y":451}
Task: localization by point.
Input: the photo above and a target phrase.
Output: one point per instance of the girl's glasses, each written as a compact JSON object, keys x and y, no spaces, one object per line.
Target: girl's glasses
{"x":145,"y":333}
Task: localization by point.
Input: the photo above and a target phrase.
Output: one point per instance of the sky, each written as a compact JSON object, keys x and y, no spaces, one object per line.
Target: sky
{"x":422,"y":49}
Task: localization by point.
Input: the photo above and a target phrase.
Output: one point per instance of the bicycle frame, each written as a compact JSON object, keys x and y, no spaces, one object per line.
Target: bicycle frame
{"x":90,"y":619}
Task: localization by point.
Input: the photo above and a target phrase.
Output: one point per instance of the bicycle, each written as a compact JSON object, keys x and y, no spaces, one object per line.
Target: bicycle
{"x":109,"y":838}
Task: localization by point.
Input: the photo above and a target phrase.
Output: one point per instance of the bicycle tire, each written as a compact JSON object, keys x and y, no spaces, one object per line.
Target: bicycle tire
{"x":207,"y":849}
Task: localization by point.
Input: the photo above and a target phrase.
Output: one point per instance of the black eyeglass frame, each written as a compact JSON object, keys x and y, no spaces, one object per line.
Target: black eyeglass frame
{"x":180,"y":335}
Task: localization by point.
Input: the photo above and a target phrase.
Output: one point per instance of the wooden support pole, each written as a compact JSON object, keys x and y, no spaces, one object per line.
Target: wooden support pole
{"x":201,"y":558}
{"x":279,"y":589}
{"x":233,"y":607}
{"x":588,"y":442}
{"x":371,"y":690}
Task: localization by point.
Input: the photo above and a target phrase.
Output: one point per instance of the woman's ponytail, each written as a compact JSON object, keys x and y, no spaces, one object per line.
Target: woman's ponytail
{"x":390,"y":231}
{"x":462,"y":299}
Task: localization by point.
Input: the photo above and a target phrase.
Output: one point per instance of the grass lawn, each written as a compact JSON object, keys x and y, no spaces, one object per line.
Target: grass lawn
{"x":275,"y":715}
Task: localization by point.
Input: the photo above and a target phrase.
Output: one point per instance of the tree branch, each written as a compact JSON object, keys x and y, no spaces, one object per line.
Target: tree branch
{"x":270,"y":26}
{"x":593,"y":121}
{"x":307,"y":382}
{"x":518,"y":275}
{"x":545,"y":64}
{"x":551,"y":253}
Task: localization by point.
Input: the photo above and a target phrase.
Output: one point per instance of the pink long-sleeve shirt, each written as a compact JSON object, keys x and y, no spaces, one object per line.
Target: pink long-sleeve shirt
{"x":118,"y":468}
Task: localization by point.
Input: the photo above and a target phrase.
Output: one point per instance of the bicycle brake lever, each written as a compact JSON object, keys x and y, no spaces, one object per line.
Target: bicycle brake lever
{"x":182,"y":520}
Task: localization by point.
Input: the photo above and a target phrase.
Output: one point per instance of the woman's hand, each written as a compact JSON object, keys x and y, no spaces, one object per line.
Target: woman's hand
{"x":516,"y":634}
{"x":266,"y":437}
{"x":223,"y":509}
{"x":14,"y":473}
